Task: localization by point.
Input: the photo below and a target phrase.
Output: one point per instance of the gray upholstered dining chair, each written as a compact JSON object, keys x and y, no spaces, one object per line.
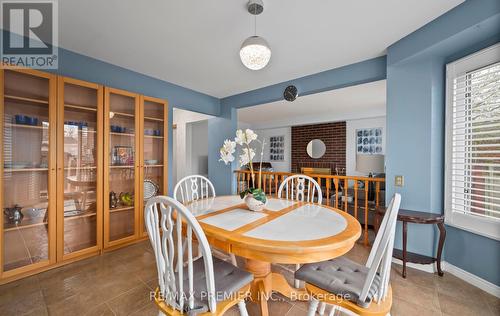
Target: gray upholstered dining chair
{"x":361,"y":289}
{"x":303,"y":188}
{"x":196,"y":187}
{"x":210,"y":285}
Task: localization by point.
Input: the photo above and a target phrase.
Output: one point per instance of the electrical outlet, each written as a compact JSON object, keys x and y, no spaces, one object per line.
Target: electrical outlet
{"x":399,"y":181}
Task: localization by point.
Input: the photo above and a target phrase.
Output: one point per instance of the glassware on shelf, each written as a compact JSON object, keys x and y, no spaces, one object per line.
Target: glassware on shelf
{"x":80,"y":124}
{"x":113,"y":200}
{"x":25,"y":120}
{"x":152,"y":132}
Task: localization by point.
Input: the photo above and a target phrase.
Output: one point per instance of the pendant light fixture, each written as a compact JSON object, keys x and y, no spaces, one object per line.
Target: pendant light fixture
{"x":255,"y":52}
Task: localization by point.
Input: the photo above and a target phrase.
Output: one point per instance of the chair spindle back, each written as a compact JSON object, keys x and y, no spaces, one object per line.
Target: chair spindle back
{"x":168,"y":222}
{"x":194,"y":187}
{"x":301,"y":188}
{"x":380,"y":258}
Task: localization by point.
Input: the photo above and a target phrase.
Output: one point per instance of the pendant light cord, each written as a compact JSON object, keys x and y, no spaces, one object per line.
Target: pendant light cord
{"x":255,"y":24}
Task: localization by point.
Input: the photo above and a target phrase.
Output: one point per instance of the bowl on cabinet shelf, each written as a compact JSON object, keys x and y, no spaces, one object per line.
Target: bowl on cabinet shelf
{"x":126,"y":199}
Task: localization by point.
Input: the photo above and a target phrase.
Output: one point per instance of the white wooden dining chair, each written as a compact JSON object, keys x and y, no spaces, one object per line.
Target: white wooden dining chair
{"x":196,"y":187}
{"x":300,"y":187}
{"x":347,"y":285}
{"x":303,"y":188}
{"x":211,"y":286}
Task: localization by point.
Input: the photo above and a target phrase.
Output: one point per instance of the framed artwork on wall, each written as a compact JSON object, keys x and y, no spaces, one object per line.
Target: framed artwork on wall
{"x":369,"y":141}
{"x":277,"y":148}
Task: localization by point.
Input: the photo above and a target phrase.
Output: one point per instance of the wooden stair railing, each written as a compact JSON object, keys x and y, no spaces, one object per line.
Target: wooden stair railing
{"x":272,"y":180}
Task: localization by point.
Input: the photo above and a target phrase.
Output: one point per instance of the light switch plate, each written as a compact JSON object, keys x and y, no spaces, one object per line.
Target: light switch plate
{"x":399,"y":181}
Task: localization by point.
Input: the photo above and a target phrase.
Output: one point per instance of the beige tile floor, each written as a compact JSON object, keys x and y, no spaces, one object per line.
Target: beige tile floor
{"x":119,"y":283}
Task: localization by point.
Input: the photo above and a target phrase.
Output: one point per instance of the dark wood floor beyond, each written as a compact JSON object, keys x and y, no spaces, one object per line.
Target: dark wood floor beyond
{"x":119,"y":283}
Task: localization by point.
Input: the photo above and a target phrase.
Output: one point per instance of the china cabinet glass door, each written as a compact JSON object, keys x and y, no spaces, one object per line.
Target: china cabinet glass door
{"x":121,"y":218}
{"x":28,"y":135}
{"x":154,"y":114}
{"x":80,"y":116}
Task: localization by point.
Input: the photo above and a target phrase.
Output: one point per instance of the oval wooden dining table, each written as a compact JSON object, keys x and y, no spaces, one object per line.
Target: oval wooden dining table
{"x":285,"y":231}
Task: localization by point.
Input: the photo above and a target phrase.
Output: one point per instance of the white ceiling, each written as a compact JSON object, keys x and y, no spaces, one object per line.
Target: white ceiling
{"x":356,"y":102}
{"x":181,"y":116}
{"x":196,"y":43}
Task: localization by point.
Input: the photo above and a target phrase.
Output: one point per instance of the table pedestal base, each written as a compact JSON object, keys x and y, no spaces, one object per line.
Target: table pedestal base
{"x":265,"y":282}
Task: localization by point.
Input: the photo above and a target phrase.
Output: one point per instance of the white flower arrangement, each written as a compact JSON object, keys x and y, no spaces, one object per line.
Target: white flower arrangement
{"x":226,"y":151}
{"x":244,"y":138}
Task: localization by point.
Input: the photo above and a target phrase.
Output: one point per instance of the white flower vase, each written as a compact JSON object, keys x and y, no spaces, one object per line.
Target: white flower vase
{"x":253,"y":204}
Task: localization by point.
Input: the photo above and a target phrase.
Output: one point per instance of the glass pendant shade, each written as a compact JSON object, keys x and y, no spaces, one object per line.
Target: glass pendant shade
{"x":255,"y":53}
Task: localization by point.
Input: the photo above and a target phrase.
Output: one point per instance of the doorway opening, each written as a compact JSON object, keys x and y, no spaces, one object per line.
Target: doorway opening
{"x":190,"y":144}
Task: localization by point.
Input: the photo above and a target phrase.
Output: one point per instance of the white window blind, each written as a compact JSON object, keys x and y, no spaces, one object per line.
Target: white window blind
{"x":473,"y":143}
{"x":476,"y":142}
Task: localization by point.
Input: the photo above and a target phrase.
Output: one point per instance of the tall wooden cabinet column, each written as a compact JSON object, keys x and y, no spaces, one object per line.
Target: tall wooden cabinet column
{"x":121,"y":165}
{"x":79,"y":168}
{"x":154,"y":151}
{"x":28,"y":168}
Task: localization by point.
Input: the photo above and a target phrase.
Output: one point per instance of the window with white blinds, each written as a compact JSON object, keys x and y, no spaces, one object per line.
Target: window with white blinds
{"x":473,"y":143}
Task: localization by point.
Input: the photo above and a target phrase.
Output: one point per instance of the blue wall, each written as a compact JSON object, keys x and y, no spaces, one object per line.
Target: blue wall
{"x":410,"y":138}
{"x":476,"y":254}
{"x":219,"y":129}
{"x":415,"y":127}
{"x":82,"y":67}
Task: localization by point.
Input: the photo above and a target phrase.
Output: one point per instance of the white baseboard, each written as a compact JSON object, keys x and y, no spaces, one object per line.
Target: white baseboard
{"x":468,"y":277}
{"x":429,"y":268}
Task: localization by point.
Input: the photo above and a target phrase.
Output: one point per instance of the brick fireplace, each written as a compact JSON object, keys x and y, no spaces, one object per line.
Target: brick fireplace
{"x":334,"y":137}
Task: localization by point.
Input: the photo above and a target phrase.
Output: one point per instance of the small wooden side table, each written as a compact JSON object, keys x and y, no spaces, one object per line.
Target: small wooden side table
{"x":407,"y":216}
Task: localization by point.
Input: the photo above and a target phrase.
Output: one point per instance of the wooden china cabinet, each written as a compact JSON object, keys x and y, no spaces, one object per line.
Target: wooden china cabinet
{"x":121,"y":162}
{"x":154,"y":146}
{"x":76,"y":159}
{"x":136,"y":142}
{"x":28,"y":168}
{"x":79,"y":168}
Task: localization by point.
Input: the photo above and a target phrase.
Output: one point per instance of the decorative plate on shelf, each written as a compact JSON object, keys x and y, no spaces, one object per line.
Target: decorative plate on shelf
{"x":150,"y":189}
